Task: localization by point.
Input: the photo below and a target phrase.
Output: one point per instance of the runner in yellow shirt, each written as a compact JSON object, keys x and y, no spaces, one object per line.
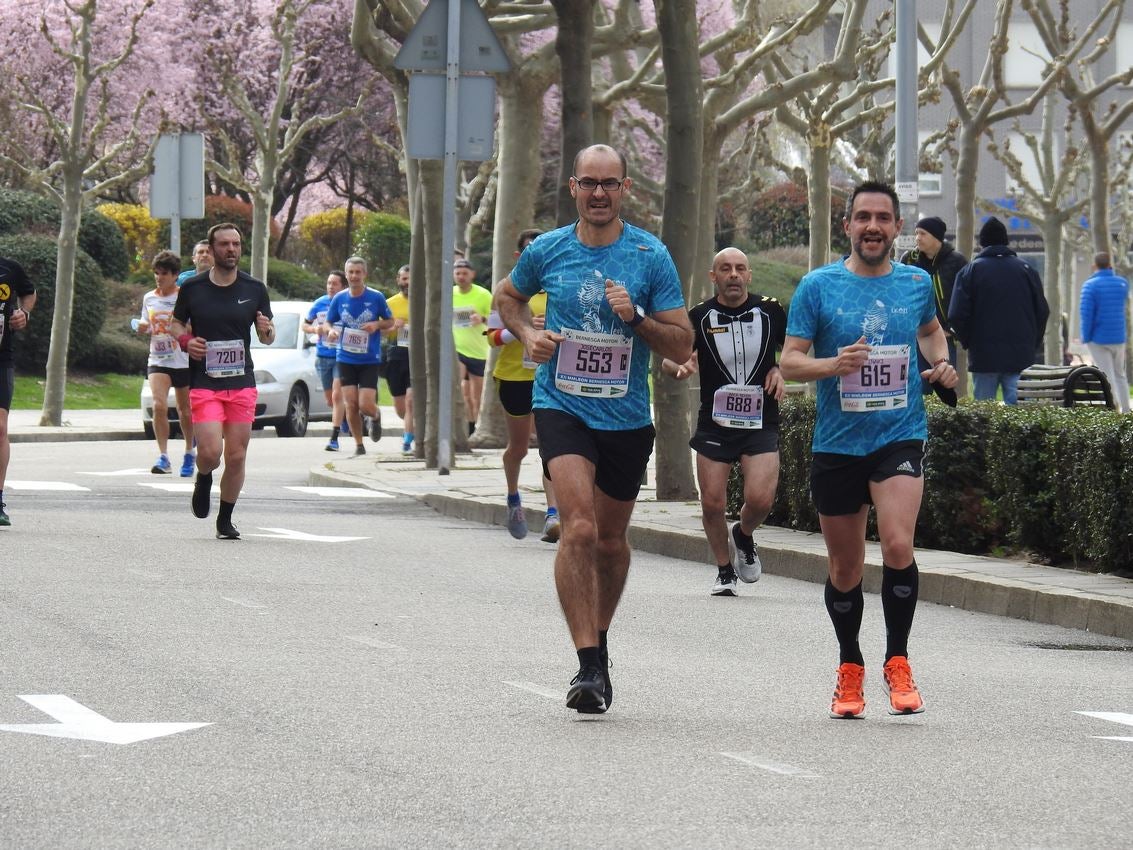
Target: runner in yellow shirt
{"x":397,"y":360}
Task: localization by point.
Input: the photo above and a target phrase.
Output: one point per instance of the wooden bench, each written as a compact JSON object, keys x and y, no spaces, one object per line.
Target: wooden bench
{"x":1065,"y":386}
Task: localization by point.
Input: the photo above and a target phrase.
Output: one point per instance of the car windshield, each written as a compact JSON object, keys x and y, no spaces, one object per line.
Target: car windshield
{"x":286,"y":329}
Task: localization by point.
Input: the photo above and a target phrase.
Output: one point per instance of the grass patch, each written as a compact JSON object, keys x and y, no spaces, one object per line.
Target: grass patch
{"x":84,"y":392}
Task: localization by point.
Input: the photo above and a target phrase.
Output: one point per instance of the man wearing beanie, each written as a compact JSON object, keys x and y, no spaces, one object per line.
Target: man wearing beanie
{"x":999,"y":313}
{"x":943,"y":263}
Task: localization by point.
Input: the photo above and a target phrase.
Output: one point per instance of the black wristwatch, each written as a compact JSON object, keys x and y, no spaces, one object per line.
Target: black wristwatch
{"x":638,"y":316}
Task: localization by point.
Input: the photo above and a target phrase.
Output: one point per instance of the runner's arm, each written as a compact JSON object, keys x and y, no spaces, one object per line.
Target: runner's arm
{"x":668,"y":333}
{"x":934,"y":346}
{"x":681,"y":371}
{"x":796,"y":365}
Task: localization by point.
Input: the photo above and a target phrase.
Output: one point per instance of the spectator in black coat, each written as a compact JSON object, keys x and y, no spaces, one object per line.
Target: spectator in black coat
{"x":999,"y":314}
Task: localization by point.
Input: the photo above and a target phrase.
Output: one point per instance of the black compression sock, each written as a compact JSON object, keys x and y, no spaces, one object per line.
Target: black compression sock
{"x":590,"y":656}
{"x":899,"y":590}
{"x":334,"y":433}
{"x":224,"y":517}
{"x":845,"y":610}
{"x":602,"y":638}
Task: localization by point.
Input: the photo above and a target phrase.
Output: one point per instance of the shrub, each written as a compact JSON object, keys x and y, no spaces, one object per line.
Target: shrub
{"x":99,"y":237}
{"x":139,"y":229}
{"x":780,"y":216}
{"x":37,"y":254}
{"x":115,"y":351}
{"x":326,"y":239}
{"x":384,"y":242}
{"x":293,"y":282}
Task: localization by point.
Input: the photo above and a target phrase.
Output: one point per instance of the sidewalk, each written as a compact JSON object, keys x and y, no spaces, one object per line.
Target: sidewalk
{"x":474,"y":490}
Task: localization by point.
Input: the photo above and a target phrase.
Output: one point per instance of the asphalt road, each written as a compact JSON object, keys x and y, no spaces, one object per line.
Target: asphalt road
{"x":402,"y":686}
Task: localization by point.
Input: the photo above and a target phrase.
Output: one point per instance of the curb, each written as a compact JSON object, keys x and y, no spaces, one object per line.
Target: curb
{"x":65,"y":435}
{"x":956,"y":588}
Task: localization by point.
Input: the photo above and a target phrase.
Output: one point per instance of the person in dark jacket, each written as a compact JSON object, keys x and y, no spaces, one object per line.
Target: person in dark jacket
{"x":999,"y":313}
{"x":943,"y":263}
{"x":1103,"y":324}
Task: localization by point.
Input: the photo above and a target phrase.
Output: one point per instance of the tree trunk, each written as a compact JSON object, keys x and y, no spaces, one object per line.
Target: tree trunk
{"x":967,"y":164}
{"x":431,"y":176}
{"x":261,"y":227}
{"x":1052,"y":286}
{"x":521,"y":108}
{"x":572,"y":45}
{"x":677,"y":22}
{"x":818,"y":200}
{"x":55,"y":387}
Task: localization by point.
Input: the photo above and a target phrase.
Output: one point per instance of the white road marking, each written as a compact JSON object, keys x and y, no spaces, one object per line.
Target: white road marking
{"x":77,"y":721}
{"x":288,"y":534}
{"x":174,"y":486}
{"x":538,"y":690}
{"x":139,"y":471}
{"x":374,"y":642}
{"x":242,"y":602}
{"x":144,"y":574}
{"x":773,"y":766}
{"x":352,"y":492}
{"x":46,"y":486}
{"x":1112,"y":717}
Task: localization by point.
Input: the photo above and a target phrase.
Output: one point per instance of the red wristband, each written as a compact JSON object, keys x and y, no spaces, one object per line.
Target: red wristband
{"x":184,"y":341}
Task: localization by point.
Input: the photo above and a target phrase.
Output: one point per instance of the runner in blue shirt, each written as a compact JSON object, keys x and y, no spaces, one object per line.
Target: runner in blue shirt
{"x":326,"y":355}
{"x":865,"y":316}
{"x":612,"y":296}
{"x":362,"y":314}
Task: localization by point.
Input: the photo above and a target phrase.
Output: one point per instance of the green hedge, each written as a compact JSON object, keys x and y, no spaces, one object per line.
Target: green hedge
{"x":100,"y":237}
{"x":116,"y":352}
{"x":1052,"y":484}
{"x":37,"y":254}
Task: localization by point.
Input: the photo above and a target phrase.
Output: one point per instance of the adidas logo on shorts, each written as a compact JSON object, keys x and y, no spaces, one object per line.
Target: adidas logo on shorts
{"x":907,"y":467}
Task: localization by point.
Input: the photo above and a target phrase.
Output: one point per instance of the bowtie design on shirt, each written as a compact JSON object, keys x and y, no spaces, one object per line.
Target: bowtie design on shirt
{"x":727,"y":320}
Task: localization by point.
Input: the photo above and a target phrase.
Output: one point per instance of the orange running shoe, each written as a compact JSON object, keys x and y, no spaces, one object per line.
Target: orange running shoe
{"x":849,"y":701}
{"x":904,"y":698}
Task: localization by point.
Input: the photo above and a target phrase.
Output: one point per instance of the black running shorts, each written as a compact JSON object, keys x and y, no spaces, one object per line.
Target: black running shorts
{"x":7,"y":386}
{"x":727,"y":445}
{"x":397,"y":376}
{"x":177,"y":377}
{"x":619,"y":457}
{"x":839,"y":483}
{"x":515,"y":396}
{"x":474,"y":365}
{"x":364,"y":375}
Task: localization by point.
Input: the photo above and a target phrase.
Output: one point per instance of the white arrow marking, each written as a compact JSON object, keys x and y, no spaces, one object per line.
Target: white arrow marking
{"x":772,"y":766}
{"x":353,"y":492}
{"x":79,"y":722}
{"x":47,"y":486}
{"x":1112,"y":717}
{"x":288,"y":534}
{"x":177,"y":487}
{"x":139,"y":471}
{"x":536,"y":689}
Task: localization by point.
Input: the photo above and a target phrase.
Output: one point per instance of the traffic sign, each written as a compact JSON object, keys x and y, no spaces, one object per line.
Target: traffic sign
{"x":475,"y":124}
{"x":425,"y":46}
{"x":177,"y":187}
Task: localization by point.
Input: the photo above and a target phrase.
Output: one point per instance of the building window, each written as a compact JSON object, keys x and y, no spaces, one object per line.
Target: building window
{"x":1026,"y":56}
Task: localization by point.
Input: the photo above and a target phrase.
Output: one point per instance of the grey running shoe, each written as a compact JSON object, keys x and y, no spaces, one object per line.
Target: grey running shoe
{"x":359,"y":450}
{"x":4,"y":519}
{"x":516,"y":521}
{"x":161,"y":466}
{"x":746,"y":559}
{"x":552,"y":529}
{"x":376,"y":428}
{"x":725,"y":584}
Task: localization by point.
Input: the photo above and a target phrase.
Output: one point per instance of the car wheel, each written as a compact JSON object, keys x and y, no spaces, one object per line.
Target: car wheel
{"x":295,"y":419}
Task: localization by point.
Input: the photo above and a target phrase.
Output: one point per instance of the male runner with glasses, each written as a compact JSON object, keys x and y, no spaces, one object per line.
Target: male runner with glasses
{"x":612,"y":295}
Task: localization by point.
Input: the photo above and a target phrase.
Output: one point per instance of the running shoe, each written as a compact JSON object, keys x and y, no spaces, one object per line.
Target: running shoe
{"x":201,"y":494}
{"x":608,"y":693}
{"x":227,"y":531}
{"x":407,"y":446}
{"x":376,"y":427}
{"x":344,"y":430}
{"x":587,"y":694}
{"x":516,"y":521}
{"x":188,"y":465}
{"x":725,"y":584}
{"x":359,"y":450}
{"x":332,"y":445}
{"x":552,"y":529}
{"x":849,"y":700}
{"x":746,"y":559}
{"x":5,"y":521}
{"x":162,"y":466}
{"x":904,"y":698}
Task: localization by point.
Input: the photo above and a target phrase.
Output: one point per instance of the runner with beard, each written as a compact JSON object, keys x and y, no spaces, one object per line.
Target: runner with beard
{"x":866,"y":317}
{"x":737,"y":335}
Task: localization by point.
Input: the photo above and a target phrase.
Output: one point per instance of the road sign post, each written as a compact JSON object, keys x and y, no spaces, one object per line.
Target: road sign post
{"x":452,"y":36}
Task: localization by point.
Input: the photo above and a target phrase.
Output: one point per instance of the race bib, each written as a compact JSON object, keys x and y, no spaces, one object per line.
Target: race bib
{"x":224,"y":358}
{"x":881,"y":384}
{"x":462,"y":317}
{"x":355,"y":340}
{"x":403,"y":336}
{"x":161,"y":346}
{"x":593,"y":364}
{"x":738,"y":406}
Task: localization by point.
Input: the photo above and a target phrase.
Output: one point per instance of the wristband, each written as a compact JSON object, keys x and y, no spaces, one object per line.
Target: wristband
{"x":184,"y":341}
{"x":936,"y":363}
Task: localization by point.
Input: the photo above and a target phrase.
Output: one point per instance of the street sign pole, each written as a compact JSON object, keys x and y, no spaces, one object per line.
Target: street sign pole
{"x":907,"y":164}
{"x":448,"y":241}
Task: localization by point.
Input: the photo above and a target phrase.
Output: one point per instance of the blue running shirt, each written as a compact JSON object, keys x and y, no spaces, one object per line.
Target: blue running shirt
{"x":574,"y":276}
{"x":353,"y":313}
{"x":833,"y":307}
{"x":316,"y":315}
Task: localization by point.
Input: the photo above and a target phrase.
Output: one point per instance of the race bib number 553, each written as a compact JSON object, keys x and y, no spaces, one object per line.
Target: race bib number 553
{"x":593,"y":364}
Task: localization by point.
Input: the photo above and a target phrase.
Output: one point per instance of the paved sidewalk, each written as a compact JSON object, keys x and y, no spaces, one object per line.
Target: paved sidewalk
{"x":474,"y":490}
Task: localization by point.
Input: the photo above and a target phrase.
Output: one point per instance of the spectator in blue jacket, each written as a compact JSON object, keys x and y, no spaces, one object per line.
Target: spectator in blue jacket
{"x":1103,"y":324}
{"x":999,"y":313}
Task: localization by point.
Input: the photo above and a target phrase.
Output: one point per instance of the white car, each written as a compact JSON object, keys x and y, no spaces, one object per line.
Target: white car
{"x":290,"y":394}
